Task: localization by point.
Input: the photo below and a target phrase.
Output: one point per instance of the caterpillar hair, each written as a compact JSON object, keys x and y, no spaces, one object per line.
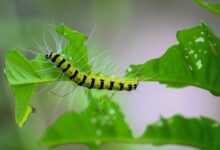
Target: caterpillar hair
{"x":90,"y":81}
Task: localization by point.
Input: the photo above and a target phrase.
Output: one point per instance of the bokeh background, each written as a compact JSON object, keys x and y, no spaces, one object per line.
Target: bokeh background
{"x":129,"y":32}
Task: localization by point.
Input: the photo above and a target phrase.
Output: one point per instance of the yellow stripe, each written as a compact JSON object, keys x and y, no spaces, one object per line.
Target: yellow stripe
{"x":64,"y":65}
{"x":107,"y":80}
{"x":58,"y":60}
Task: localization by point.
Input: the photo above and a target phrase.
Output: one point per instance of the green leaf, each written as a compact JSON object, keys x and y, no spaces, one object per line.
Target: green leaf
{"x":21,"y":77}
{"x":21,"y":71}
{"x":18,"y":69}
{"x":212,"y":7}
{"x":46,"y":70}
{"x":89,"y":127}
{"x":23,"y":110}
{"x":24,"y":74}
{"x":195,"y":61}
{"x":101,"y":122}
{"x":202,"y":132}
{"x":75,"y":48}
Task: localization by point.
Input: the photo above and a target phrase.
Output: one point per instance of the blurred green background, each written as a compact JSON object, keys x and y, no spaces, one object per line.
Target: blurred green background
{"x":129,"y":31}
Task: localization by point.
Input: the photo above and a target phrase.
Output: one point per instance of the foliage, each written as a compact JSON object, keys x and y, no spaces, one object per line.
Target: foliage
{"x":103,"y":122}
{"x":193,"y":61}
{"x":212,"y":7}
{"x":24,"y":74}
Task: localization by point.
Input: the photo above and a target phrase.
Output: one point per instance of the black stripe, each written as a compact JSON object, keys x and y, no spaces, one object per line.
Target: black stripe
{"x":92,"y":83}
{"x":61,"y":62}
{"x":68,"y":66}
{"x":111,"y":85}
{"x":50,"y":55}
{"x":55,"y":57}
{"x":121,"y":86}
{"x":129,"y":87}
{"x":83,"y":80}
{"x":101,"y":84}
{"x":135,"y":86}
{"x":74,"y":75}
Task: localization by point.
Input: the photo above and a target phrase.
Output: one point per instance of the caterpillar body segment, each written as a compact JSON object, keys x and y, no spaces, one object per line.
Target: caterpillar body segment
{"x":90,"y":81}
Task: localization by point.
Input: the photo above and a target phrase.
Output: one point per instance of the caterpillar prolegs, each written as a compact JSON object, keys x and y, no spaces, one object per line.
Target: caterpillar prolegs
{"x":90,"y":81}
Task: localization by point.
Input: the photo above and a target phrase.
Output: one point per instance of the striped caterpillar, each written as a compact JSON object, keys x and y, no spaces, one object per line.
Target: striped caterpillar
{"x":89,"y":81}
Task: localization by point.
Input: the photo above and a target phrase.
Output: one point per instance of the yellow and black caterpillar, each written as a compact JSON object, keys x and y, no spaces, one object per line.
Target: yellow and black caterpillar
{"x":90,"y":81}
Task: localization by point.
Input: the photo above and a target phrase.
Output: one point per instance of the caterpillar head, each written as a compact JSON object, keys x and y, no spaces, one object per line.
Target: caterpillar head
{"x":48,"y":55}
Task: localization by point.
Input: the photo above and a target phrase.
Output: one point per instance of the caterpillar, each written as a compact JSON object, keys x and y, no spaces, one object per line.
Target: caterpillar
{"x":89,"y":81}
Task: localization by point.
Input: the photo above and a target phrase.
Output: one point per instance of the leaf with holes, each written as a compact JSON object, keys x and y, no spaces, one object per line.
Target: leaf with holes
{"x":101,"y":122}
{"x":194,"y":61}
